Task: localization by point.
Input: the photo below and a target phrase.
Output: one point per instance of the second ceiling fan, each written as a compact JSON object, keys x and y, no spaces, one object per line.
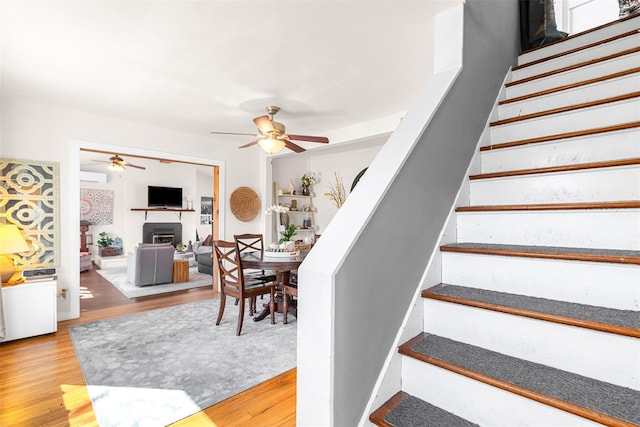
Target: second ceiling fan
{"x":272,"y":137}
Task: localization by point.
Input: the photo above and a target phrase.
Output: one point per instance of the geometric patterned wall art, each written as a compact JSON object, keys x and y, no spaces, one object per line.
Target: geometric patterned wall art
{"x":96,"y":206}
{"x":29,"y":200}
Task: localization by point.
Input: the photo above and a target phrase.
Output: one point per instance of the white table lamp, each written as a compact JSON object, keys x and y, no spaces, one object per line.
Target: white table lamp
{"x":11,"y":242}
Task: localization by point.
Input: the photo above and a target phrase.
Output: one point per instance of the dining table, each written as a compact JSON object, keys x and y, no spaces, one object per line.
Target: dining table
{"x":282,"y":266}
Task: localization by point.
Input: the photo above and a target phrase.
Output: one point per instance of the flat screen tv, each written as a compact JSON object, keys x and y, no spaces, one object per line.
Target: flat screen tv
{"x":164,"y":197}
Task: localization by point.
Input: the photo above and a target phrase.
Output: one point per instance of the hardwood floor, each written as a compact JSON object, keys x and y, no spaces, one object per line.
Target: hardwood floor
{"x":41,"y":383}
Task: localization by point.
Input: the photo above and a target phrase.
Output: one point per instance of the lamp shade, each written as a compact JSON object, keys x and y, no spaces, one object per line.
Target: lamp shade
{"x":271,"y":145}
{"x":11,"y":240}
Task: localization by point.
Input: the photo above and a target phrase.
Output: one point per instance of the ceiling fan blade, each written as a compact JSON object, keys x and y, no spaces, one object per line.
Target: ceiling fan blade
{"x":264,"y":124}
{"x":249,"y":144}
{"x":291,"y":146}
{"x":309,"y":138}
{"x":129,"y":165}
{"x":233,"y":133}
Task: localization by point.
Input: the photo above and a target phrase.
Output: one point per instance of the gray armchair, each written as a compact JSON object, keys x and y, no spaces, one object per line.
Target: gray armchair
{"x":150,"y":264}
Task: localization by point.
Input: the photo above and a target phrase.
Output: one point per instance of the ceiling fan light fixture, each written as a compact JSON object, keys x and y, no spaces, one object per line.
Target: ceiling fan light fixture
{"x":116,"y":167}
{"x":271,"y":145}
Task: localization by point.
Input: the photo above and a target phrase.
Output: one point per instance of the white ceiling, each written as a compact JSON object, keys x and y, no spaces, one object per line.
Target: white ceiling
{"x":199,"y":66}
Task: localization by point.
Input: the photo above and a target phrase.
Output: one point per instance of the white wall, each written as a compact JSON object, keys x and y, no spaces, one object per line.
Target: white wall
{"x":347,"y":160}
{"x":36,"y":131}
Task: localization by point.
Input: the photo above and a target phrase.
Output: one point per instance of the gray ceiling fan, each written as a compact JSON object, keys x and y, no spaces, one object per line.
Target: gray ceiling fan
{"x":272,"y":137}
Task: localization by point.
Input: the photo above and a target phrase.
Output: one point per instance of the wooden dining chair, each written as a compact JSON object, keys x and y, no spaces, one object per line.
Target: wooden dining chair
{"x":288,"y":291}
{"x":233,"y":283}
{"x":253,"y":243}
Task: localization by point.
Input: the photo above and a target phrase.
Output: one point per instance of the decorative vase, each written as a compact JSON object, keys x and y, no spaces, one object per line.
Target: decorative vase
{"x":284,"y":219}
{"x":305,"y":191}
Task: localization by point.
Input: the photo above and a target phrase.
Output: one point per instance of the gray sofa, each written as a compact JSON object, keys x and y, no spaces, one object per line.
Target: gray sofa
{"x":204,"y":256}
{"x":150,"y":264}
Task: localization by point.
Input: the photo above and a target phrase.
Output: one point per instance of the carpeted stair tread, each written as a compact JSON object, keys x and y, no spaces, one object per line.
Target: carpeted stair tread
{"x":556,"y":252}
{"x":413,"y":412}
{"x":614,"y":401}
{"x":607,"y":316}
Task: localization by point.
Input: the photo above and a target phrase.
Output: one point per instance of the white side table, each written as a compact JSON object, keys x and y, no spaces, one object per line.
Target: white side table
{"x":30,"y":309}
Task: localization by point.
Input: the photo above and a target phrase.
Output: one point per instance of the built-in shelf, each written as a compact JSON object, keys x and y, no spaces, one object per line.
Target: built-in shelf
{"x":147,"y":210}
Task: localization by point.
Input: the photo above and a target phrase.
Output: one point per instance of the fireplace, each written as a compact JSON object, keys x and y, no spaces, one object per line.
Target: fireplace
{"x":162,"y":232}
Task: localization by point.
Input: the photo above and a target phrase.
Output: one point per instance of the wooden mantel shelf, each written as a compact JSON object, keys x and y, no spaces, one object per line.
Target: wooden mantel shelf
{"x":147,"y":210}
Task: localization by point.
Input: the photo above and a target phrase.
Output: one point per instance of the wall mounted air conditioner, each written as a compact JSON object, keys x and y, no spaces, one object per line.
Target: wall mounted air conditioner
{"x":98,"y":177}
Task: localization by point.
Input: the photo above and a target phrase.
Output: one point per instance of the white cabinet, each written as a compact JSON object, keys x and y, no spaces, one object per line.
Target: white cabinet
{"x":300,"y":214}
{"x":30,"y":309}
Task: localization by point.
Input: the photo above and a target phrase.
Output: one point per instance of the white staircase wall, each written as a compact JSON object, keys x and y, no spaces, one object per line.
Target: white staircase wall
{"x":604,"y":229}
{"x":606,"y":357}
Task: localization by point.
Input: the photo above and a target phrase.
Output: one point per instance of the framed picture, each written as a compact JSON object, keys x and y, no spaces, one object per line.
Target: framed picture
{"x":205,"y":219}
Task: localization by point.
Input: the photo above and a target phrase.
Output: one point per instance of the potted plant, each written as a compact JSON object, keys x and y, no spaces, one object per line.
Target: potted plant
{"x":285,"y":241}
{"x":105,"y":242}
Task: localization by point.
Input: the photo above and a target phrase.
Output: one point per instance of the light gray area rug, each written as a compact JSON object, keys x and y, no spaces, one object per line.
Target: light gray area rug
{"x":118,"y":278}
{"x":157,"y":367}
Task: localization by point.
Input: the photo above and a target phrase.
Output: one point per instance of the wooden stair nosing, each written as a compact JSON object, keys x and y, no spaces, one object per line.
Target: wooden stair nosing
{"x":378,"y":416}
{"x":555,"y":169}
{"x":581,"y":411}
{"x":570,"y":86}
{"x":571,"y":256}
{"x":630,"y":204}
{"x":565,"y":109}
{"x":577,"y":49}
{"x":559,"y":136}
{"x":581,"y":33}
{"x":564,"y":320}
{"x":574,"y":66}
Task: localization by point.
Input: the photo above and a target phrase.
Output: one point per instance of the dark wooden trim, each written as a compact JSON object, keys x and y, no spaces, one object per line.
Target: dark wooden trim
{"x":570,"y":86}
{"x":563,"y":168}
{"x":565,"y":109}
{"x":559,"y":136}
{"x":578,"y":49}
{"x":574,"y":66}
{"x":377,"y":417}
{"x":573,"y":36}
{"x":521,"y":391}
{"x":564,"y":320}
{"x":572,"y":256}
{"x":632,"y":204}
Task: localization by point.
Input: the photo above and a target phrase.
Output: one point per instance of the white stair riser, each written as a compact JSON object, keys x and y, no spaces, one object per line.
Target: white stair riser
{"x":579,"y":95}
{"x":479,"y":402}
{"x":591,"y":283}
{"x":625,"y":62}
{"x":593,"y":148}
{"x":604,"y":115}
{"x":584,"y":55}
{"x":606,"y":357}
{"x":603,"y":229}
{"x":591,"y":185}
{"x":581,"y":40}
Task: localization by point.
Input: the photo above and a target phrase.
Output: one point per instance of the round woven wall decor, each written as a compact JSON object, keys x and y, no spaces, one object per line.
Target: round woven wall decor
{"x":245,"y":203}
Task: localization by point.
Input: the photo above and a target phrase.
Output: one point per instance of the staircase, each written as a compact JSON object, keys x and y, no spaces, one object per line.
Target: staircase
{"x":537,"y":318}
